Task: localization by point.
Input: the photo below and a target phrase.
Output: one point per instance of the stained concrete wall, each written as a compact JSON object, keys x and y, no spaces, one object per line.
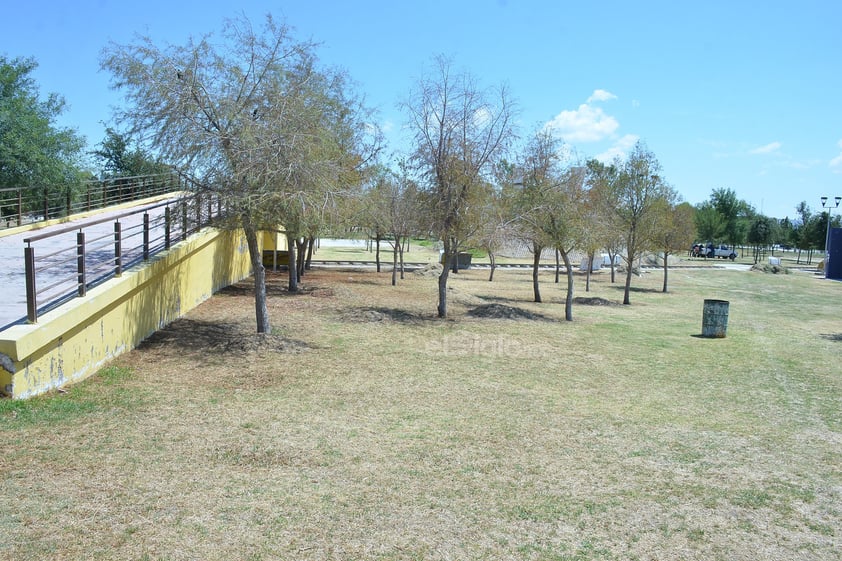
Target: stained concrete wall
{"x":73,"y":341}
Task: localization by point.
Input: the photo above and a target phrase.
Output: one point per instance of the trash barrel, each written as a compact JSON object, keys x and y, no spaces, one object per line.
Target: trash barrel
{"x":715,"y":318}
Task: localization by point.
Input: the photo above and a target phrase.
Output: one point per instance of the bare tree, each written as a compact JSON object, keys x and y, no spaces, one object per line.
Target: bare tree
{"x":391,"y":210}
{"x":250,"y":115}
{"x":459,"y":131}
{"x":633,"y":195}
{"x":497,"y":227}
{"x":592,"y":233}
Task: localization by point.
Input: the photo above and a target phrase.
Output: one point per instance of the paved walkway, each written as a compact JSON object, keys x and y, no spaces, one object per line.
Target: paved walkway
{"x":59,"y":269}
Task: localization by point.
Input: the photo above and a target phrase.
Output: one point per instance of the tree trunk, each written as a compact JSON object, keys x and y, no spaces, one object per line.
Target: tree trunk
{"x":493,"y":265}
{"x":568,"y":302}
{"x":311,"y":241}
{"x":557,"y":267}
{"x":260,"y":309}
{"x":400,"y":249}
{"x":301,"y":246}
{"x":611,"y":257}
{"x":293,"y":264}
{"x":629,"y":268}
{"x":395,"y":250}
{"x":666,"y":270}
{"x":588,"y":273}
{"x":445,"y":272}
{"x":377,"y":252}
{"x":536,"y":262}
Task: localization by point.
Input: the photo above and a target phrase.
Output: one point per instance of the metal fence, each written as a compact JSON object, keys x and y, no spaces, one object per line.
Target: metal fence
{"x":63,"y":264}
{"x":25,"y":205}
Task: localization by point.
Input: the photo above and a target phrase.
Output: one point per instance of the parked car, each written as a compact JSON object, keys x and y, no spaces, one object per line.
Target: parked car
{"x":710,"y":251}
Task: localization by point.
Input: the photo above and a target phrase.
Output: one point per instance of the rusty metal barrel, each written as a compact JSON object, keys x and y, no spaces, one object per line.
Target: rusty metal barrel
{"x":715,"y":318}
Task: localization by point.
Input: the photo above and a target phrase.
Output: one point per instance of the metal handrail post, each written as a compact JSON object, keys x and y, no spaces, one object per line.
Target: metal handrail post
{"x":118,"y":250}
{"x":80,"y":263}
{"x":146,"y":236}
{"x":167,"y":227}
{"x":184,"y":220}
{"x":29,"y":266}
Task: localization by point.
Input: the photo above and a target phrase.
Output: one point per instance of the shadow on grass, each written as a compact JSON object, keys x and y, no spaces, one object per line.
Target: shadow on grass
{"x":594,"y":301}
{"x":275,"y":289}
{"x":832,"y":337}
{"x":246,"y":288}
{"x":218,"y":338}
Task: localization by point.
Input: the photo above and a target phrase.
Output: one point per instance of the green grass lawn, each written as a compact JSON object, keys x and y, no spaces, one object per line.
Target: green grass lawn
{"x":365,"y":428}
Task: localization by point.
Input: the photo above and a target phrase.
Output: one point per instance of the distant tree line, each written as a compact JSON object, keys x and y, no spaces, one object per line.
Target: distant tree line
{"x":725,"y":218}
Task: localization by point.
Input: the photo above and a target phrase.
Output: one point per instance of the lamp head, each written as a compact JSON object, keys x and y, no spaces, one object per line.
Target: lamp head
{"x":838,"y":200}
{"x":824,"y":200}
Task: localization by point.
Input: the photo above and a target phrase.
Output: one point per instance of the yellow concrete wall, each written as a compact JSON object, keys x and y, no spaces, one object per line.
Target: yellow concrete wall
{"x":274,"y":240}
{"x":72,"y":342}
{"x":275,"y":250}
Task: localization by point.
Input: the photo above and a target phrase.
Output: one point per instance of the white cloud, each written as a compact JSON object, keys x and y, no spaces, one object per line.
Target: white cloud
{"x":601,"y":95}
{"x":620,"y":149}
{"x":585,"y":124}
{"x":767,"y":149}
{"x":482,"y":117}
{"x":836,"y":163}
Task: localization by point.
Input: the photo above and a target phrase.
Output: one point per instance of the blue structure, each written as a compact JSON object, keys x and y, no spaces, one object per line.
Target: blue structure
{"x":833,"y":267}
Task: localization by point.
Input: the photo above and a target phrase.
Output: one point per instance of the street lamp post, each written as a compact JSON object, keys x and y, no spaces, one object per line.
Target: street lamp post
{"x":826,"y":204}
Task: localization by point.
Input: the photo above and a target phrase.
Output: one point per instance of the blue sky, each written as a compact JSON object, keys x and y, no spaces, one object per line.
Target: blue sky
{"x":728,"y":94}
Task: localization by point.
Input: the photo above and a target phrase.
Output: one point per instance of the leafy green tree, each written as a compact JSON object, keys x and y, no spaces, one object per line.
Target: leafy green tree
{"x":34,"y":151}
{"x":537,"y":202}
{"x":809,"y":231}
{"x":734,"y":212}
{"x":252,"y":115}
{"x":634,"y":195}
{"x":603,"y":198}
{"x":710,"y":224}
{"x":547,"y":207}
{"x":784,"y":232}
{"x":760,"y":234}
{"x":675,"y":230}
{"x":119,"y":157}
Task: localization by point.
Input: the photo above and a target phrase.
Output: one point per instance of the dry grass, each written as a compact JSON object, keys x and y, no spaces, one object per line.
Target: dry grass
{"x":365,"y":428}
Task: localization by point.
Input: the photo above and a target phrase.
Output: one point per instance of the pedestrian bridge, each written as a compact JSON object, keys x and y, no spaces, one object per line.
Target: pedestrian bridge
{"x":81,"y":289}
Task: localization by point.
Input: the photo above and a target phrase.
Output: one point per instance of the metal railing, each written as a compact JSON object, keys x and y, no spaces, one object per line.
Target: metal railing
{"x":65,"y":263}
{"x":25,"y":205}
